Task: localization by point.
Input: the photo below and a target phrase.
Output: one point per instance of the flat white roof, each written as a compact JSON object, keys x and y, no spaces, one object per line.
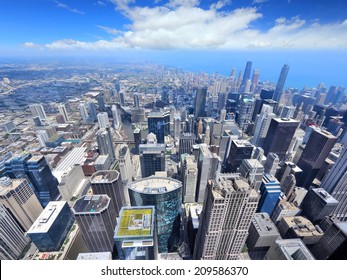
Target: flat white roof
{"x":95,"y":256}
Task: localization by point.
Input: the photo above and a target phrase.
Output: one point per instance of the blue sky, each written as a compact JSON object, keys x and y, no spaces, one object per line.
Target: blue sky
{"x":305,"y":34}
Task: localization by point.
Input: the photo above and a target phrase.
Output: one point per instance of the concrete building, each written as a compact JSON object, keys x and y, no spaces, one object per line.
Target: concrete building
{"x":109,"y":182}
{"x":165,"y":194}
{"x":38,"y":111}
{"x":103,"y":121}
{"x":289,"y":249}
{"x":105,"y":142}
{"x":253,"y":171}
{"x":299,"y":227}
{"x":20,"y":200}
{"x":135,"y":234}
{"x":228,"y":210}
{"x":284,"y":209}
{"x":244,"y":116}
{"x":271,"y":164}
{"x":63,"y":112}
{"x":186,"y":142}
{"x":262,"y":233}
{"x":13,"y":240}
{"x":50,"y":229}
{"x":96,"y":218}
{"x":125,"y":165}
{"x":103,"y":162}
{"x":189,"y":177}
{"x":318,"y":204}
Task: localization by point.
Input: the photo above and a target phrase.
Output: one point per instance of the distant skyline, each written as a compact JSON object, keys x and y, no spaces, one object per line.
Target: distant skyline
{"x":311,"y":36}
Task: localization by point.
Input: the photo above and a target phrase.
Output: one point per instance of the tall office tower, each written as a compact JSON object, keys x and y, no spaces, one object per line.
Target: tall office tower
{"x":42,"y":137}
{"x":262,"y":125}
{"x":187,"y":140}
{"x":266,"y":93}
{"x":258,"y":154}
{"x":115,"y":117}
{"x":101,"y":102}
{"x":238,"y":151}
{"x":222,"y":115}
{"x":38,"y":111}
{"x":37,"y":170}
{"x":103,"y":120}
{"x":297,"y":196}
{"x":288,"y":168}
{"x":279,"y":136}
{"x":13,"y":240}
{"x":50,"y":229}
{"x":91,"y":111}
{"x":165,"y":194}
{"x":159,"y":124}
{"x":96,"y":219}
{"x":84,"y":111}
{"x":255,"y":79}
{"x":135,"y":234}
{"x":280,"y":83}
{"x":313,"y":156}
{"x":244,"y":116}
{"x":270,"y":191}
{"x":271,"y":164}
{"x":109,"y":182}
{"x":246,"y":76}
{"x":125,"y":164}
{"x":252,"y":170}
{"x":284,"y":209}
{"x":105,"y":142}
{"x":63,"y":112}
{"x":330,"y":95}
{"x":318,"y":204}
{"x":222,"y":98}
{"x":19,"y":199}
{"x":136,"y":101}
{"x":208,"y":163}
{"x":152,"y":158}
{"x":51,"y":131}
{"x":189,"y":178}
{"x":261,"y":235}
{"x":289,"y":249}
{"x":239,"y":80}
{"x":122,"y":99}
{"x":207,"y":138}
{"x":335,"y":183}
{"x":247,"y":88}
{"x":200,"y":102}
{"x":333,"y":244}
{"x":227,"y":213}
{"x":287,"y":112}
{"x":177,"y":126}
{"x":137,"y":139}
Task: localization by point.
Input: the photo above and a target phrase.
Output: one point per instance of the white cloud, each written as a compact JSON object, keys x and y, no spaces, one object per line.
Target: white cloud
{"x":183,"y":24}
{"x":259,"y":1}
{"x":100,"y":3}
{"x":66,"y":7}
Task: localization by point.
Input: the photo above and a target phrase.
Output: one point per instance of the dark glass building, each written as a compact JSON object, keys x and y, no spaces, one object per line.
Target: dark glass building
{"x":165,"y":194}
{"x":239,"y":150}
{"x":280,"y":83}
{"x":186,"y":143}
{"x":200,"y":102}
{"x":51,"y":227}
{"x":279,"y":136}
{"x":152,"y":158}
{"x":159,"y":124}
{"x":38,"y":173}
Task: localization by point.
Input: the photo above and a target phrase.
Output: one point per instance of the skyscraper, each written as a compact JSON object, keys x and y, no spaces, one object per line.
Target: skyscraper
{"x":101,"y":102}
{"x":19,"y":199}
{"x":270,"y":191}
{"x":244,"y":116}
{"x":165,"y":194}
{"x":49,"y":230}
{"x":239,"y":150}
{"x":63,"y":112}
{"x":103,"y":120}
{"x":228,"y":209}
{"x":159,"y":124}
{"x":96,"y":218}
{"x":246,"y":76}
{"x":38,"y":111}
{"x":186,"y":142}
{"x":91,"y":111}
{"x":37,"y":170}
{"x":125,"y":164}
{"x":262,"y":125}
{"x":189,"y":169}
{"x":200,"y":102}
{"x":109,"y":182}
{"x":152,"y":158}
{"x":279,"y":136}
{"x":280,"y":83}
{"x":13,"y":240}
{"x":136,"y":101}
{"x":271,"y":164}
{"x":313,"y":156}
{"x":289,"y":249}
{"x":115,"y":117}
{"x":84,"y":111}
{"x":137,"y":139}
{"x":105,"y":142}
{"x":335,"y":183}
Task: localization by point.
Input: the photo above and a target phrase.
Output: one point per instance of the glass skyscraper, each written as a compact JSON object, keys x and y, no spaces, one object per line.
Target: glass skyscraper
{"x":159,"y":124}
{"x":165,"y":194}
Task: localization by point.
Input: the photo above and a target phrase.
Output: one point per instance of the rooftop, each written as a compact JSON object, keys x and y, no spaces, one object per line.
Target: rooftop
{"x":294,"y":249}
{"x":91,"y":204}
{"x":285,"y":120}
{"x":44,"y":222}
{"x":324,"y":195}
{"x":135,"y":222}
{"x":104,"y":176}
{"x":302,"y":226}
{"x":264,"y":225}
{"x":95,"y":256}
{"x":155,"y":185}
{"x":242,"y":143}
{"x":101,"y":159}
{"x":7,"y":184}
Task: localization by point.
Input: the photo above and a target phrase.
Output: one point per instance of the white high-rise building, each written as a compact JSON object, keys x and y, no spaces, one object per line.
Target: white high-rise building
{"x":229,"y":207}
{"x":38,"y":111}
{"x":115,"y":116}
{"x":84,"y":111}
{"x":103,"y":120}
{"x":262,"y":124}
{"x":13,"y":240}
{"x":125,"y":165}
{"x":63,"y":112}
{"x":177,"y":126}
{"x":189,"y":178}
{"x":42,"y":137}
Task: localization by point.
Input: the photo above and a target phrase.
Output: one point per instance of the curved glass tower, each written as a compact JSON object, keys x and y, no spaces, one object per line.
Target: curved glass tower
{"x":165,"y":194}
